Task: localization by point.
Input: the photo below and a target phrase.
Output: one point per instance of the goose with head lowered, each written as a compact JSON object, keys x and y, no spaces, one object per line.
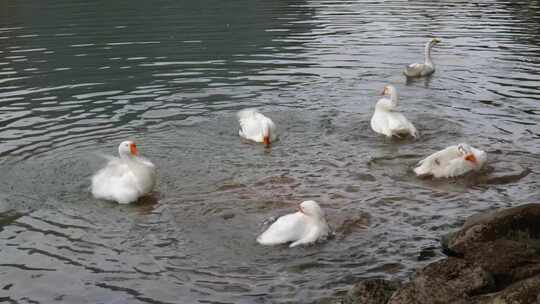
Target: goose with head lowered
{"x":125,"y":178}
{"x":426,"y":68}
{"x":453,"y":161}
{"x":387,"y":120}
{"x":303,"y":227}
{"x":256,"y":127}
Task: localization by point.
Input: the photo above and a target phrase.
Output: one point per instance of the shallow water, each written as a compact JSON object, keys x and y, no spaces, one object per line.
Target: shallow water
{"x":77,"y":78}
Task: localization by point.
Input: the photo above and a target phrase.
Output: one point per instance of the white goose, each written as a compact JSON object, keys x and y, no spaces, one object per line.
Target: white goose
{"x":386,"y":120}
{"x":303,"y":227}
{"x":126,"y":178}
{"x":453,"y":161}
{"x":426,"y":68}
{"x":256,"y":127}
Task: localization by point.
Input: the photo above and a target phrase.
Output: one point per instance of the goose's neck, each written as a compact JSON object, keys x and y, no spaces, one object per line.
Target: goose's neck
{"x":428,"y":60}
{"x":394,"y":99}
{"x":266,"y":129}
{"x":387,"y":104}
{"x":131,"y":161}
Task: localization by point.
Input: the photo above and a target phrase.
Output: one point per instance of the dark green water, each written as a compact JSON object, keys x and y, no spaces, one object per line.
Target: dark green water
{"x":76,"y":78}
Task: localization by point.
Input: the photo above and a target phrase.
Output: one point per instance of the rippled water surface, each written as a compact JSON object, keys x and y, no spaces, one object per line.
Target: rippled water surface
{"x":77,"y":77}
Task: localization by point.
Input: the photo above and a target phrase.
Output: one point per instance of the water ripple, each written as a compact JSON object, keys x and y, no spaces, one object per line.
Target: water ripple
{"x":77,"y":79}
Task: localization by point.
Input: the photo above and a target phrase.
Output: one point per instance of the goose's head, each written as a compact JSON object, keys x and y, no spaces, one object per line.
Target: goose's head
{"x":388,"y":103}
{"x":389,"y":90}
{"x":127,"y":149}
{"x":467,"y":153}
{"x":312,"y":209}
{"x":434,"y":41}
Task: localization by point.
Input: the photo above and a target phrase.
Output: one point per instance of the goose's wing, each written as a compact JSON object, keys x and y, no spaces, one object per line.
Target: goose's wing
{"x":414,"y":69}
{"x":247,"y":114}
{"x":146,"y":162}
{"x":115,"y":182}
{"x":251,"y":124}
{"x":379,"y":123}
{"x":114,"y":168}
{"x":456,"y":167}
{"x":313,"y":233}
{"x":399,"y":124}
{"x":441,"y":158}
{"x":288,"y":228}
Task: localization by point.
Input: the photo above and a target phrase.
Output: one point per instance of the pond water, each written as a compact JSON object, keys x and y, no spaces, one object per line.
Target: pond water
{"x":77,"y":78}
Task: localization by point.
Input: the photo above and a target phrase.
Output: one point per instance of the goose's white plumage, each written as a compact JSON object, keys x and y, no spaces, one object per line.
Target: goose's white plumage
{"x":303,"y":227}
{"x":125,"y":178}
{"x":256,"y":127}
{"x":387,"y":120}
{"x":451,"y":162}
{"x":426,"y":68}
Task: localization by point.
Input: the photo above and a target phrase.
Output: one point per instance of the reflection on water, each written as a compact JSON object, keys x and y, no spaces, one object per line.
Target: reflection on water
{"x":77,"y":78}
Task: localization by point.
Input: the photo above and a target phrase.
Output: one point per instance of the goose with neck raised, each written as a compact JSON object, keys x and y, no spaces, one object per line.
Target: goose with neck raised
{"x":453,"y":161}
{"x":303,"y":227}
{"x":256,"y":127}
{"x":125,"y":178}
{"x":426,"y":68}
{"x":387,"y":120}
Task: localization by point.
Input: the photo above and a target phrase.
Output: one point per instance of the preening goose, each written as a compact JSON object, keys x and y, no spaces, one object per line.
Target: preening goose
{"x":256,"y":127}
{"x":303,"y":227}
{"x":387,"y":120}
{"x":453,"y":161}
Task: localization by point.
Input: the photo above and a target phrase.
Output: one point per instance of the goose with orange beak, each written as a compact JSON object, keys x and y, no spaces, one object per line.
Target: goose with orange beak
{"x":256,"y":127}
{"x":452,"y":161}
{"x":303,"y":227}
{"x":125,"y":178}
{"x":387,"y":120}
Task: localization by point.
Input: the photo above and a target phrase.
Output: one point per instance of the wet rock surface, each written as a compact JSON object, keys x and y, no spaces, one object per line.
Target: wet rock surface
{"x":451,"y":280}
{"x":494,"y":258}
{"x":373,"y":291}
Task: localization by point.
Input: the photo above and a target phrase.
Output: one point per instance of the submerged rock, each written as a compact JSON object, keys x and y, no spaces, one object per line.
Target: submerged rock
{"x":346,"y":226}
{"x":495,"y":259}
{"x":427,"y":253}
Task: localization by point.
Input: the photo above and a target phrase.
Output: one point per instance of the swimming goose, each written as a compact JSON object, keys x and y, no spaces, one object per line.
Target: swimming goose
{"x":303,"y":227}
{"x":386,"y":120}
{"x":125,"y":178}
{"x":453,"y":161}
{"x":426,"y":68}
{"x":256,"y":127}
